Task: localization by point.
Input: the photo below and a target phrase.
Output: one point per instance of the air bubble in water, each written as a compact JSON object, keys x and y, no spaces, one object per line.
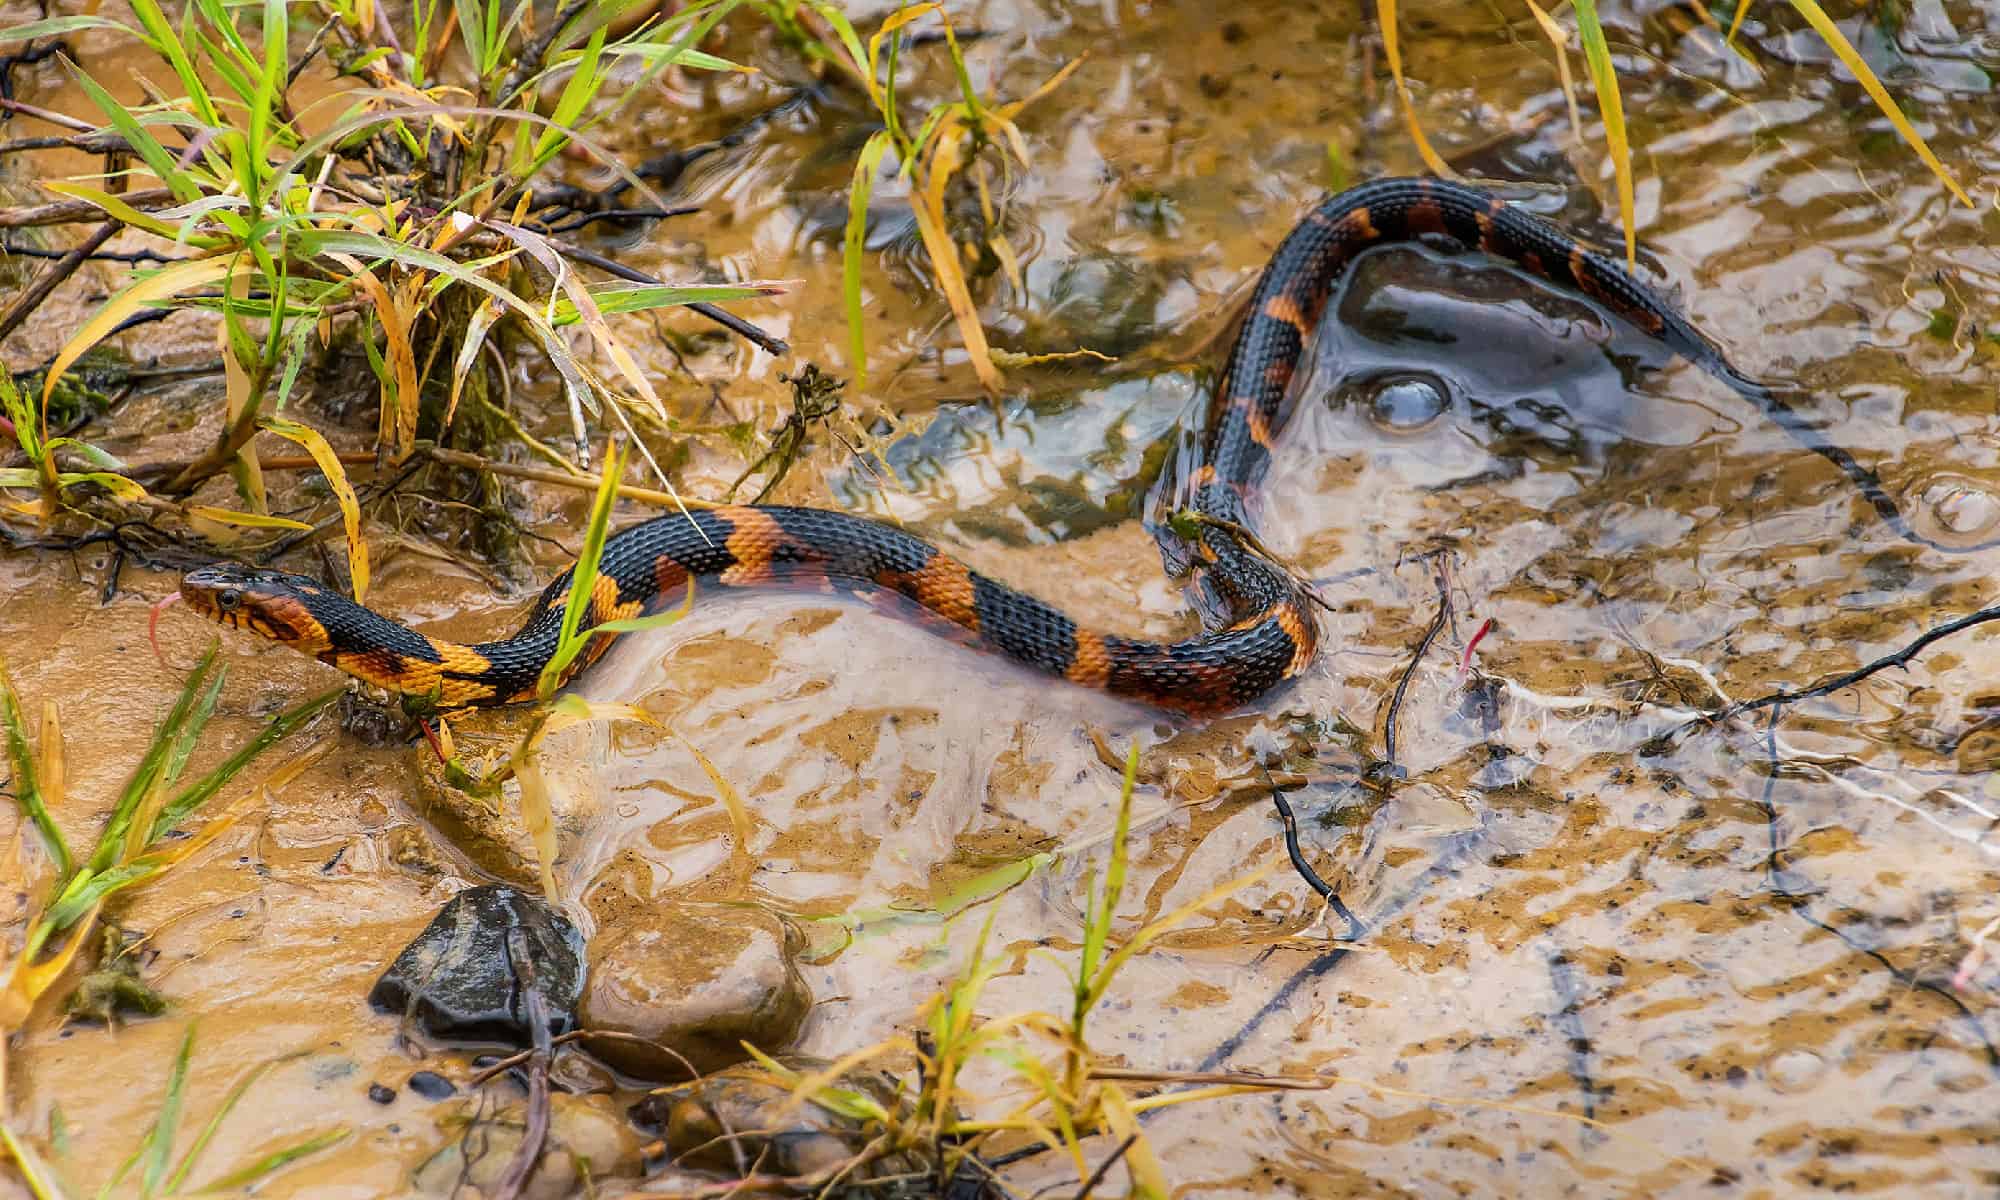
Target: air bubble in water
{"x":1956,"y":512}
{"x":1407,"y":403}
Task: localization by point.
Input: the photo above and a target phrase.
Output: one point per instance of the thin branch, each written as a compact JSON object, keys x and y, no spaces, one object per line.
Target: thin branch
{"x":1403,"y":684}
{"x":1900,"y":658}
{"x":775,"y":347}
{"x":67,"y":212}
{"x":1355,"y":928}
{"x":53,"y":276}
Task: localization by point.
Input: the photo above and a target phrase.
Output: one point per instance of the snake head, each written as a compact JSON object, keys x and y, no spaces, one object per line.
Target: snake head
{"x":270,"y":604}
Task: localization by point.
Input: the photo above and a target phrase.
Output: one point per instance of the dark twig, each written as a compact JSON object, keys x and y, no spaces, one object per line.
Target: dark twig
{"x":1355,"y":928}
{"x":574,"y":223}
{"x":1104,"y":1168}
{"x":728,"y":320}
{"x":53,"y":275}
{"x":28,"y":56}
{"x":1403,"y":684}
{"x":1778,"y":878}
{"x":1899,"y":658}
{"x":535,"y":1128}
{"x":123,"y":256}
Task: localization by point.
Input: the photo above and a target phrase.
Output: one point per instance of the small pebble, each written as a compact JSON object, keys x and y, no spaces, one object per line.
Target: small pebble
{"x":380,"y":1094}
{"x":431,"y":1085}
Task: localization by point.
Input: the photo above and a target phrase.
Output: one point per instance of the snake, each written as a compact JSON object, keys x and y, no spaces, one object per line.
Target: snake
{"x":1259,"y":628}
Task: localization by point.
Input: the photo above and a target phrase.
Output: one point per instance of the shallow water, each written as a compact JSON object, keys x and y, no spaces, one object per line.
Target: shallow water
{"x":1571,"y":911}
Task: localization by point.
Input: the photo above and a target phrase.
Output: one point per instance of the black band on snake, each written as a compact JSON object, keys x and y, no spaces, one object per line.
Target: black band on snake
{"x":1262,"y":632}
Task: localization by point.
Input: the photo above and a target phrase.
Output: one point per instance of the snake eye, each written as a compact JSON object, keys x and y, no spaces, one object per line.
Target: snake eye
{"x":228,"y":599}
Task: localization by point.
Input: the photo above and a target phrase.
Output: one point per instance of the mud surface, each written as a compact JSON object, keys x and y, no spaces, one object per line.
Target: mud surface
{"x":1574,"y":909}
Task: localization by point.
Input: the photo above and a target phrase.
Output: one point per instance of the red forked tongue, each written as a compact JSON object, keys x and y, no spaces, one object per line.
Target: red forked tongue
{"x":153,"y":625}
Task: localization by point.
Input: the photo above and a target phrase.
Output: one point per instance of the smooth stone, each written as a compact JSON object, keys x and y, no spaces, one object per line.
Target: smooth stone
{"x":698,"y":978}
{"x":586,"y":1137}
{"x":458,"y":982}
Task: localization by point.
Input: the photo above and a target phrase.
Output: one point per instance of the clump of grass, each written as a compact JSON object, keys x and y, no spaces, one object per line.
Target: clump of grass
{"x":158,"y":1172}
{"x":954,"y":138}
{"x":136,"y":845}
{"x":405,"y":210}
{"x":1611,"y":107}
{"x":1046,"y":1056}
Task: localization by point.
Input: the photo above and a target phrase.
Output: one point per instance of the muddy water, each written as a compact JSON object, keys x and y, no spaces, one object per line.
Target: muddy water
{"x":1575,"y":909}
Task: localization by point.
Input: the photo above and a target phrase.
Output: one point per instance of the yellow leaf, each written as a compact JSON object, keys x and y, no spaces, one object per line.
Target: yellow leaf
{"x":928,"y":206}
{"x":398,"y":426}
{"x":51,"y":770}
{"x":229,"y":516}
{"x":1385,"y":16}
{"x":169,"y":281}
{"x":115,"y":207}
{"x":343,"y":492}
{"x":1837,"y":41}
{"x":26,"y":982}
{"x":1149,"y":1179}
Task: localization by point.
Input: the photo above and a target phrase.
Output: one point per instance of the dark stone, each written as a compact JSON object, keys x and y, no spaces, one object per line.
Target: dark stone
{"x":431,"y":1085}
{"x":458,"y":982}
{"x":380,"y":1094}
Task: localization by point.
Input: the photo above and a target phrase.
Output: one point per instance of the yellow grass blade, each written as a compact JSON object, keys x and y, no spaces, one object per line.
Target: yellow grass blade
{"x":1604,"y":77}
{"x":169,"y":281}
{"x":1385,"y":16}
{"x":343,"y":492}
{"x":927,"y":203}
{"x":1736,"y":22}
{"x":114,"y":206}
{"x":398,"y":426}
{"x":52,"y":770}
{"x":1559,"y":38}
{"x":1149,"y":1178}
{"x":27,"y":981}
{"x":739,"y":816}
{"x":1838,"y":43}
{"x":229,"y":516}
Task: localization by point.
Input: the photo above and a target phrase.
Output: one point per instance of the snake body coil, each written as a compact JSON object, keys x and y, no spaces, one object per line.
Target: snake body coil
{"x":1263,"y":632}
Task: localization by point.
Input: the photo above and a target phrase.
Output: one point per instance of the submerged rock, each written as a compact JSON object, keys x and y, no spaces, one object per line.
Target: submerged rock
{"x":586,"y":1140}
{"x":458,"y":982}
{"x":698,"y":978}
{"x":733,"y":1117}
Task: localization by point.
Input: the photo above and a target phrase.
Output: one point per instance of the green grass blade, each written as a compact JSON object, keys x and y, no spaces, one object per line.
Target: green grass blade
{"x":584,"y":82}
{"x":160,"y":1144}
{"x":174,"y":48}
{"x":34,"y":1172}
{"x":190,"y":729}
{"x":472,"y":26}
{"x":583,"y":576}
{"x":56,"y":26}
{"x":157,"y":160}
{"x":1604,"y":77}
{"x":622,"y":299}
{"x":1104,"y":906}
{"x":27,"y":787}
{"x":255,"y":1172}
{"x":271,"y":84}
{"x":201,"y":791}
{"x":215,"y":1121}
{"x":852,"y":245}
{"x":148,"y":774}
